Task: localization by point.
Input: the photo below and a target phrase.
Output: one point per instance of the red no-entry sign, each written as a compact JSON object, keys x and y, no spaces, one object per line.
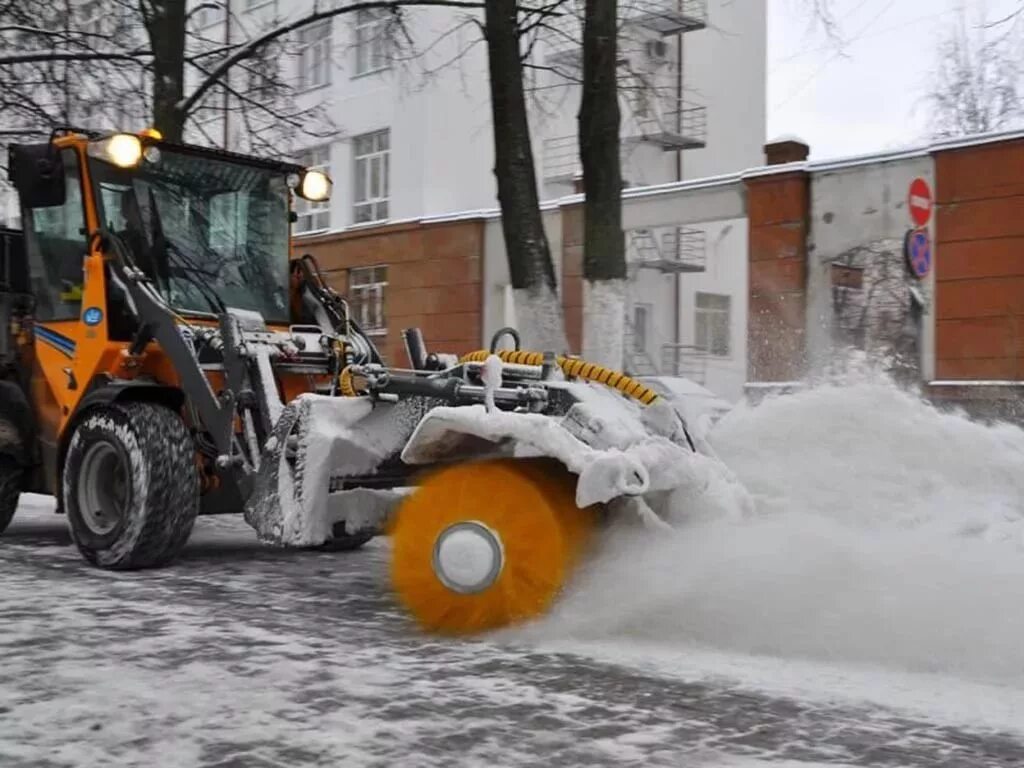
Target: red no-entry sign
{"x":920,"y":202}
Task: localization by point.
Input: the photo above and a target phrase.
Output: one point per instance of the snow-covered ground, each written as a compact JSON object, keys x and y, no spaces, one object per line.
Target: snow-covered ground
{"x":867,"y":613}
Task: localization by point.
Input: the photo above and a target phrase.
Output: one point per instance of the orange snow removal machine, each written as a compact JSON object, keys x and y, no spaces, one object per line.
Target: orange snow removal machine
{"x":163,"y":357}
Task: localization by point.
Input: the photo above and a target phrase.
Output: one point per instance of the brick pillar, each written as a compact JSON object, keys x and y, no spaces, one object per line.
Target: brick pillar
{"x":778,"y":209}
{"x":572,"y":275}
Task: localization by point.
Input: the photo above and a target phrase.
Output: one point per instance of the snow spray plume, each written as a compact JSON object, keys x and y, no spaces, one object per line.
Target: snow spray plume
{"x":885,"y":532}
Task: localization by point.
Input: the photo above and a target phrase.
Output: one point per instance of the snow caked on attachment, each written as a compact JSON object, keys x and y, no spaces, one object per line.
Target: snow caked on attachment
{"x":492,"y":541}
{"x":512,"y":457}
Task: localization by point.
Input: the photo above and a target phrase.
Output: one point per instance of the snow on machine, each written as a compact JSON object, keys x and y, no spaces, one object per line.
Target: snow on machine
{"x":165,"y":358}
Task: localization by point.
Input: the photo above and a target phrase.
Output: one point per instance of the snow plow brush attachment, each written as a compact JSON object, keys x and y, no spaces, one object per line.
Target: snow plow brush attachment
{"x":482,"y":545}
{"x":519,"y":454}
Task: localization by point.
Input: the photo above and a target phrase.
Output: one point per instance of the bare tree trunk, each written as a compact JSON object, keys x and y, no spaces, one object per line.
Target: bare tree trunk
{"x":538,"y":309}
{"x":604,"y":257}
{"x":165,"y":24}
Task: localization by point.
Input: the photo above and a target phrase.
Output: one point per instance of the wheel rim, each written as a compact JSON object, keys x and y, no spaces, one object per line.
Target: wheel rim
{"x":468,"y":557}
{"x":484,"y":545}
{"x":102,"y":489}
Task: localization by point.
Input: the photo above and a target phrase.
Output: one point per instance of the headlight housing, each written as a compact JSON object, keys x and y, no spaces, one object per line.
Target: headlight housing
{"x":122,"y":149}
{"x":315,"y":186}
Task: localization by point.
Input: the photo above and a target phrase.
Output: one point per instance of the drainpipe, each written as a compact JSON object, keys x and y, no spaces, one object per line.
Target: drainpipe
{"x":677,"y":278}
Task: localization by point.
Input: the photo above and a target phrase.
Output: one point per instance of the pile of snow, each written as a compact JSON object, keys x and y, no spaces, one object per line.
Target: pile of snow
{"x":885,"y":533}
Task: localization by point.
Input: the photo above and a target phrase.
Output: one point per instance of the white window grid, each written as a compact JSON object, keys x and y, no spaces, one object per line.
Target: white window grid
{"x":372,"y":49}
{"x":315,"y":55}
{"x":366,"y":289}
{"x":713,"y":324}
{"x":314,"y":216}
{"x":371,"y":155}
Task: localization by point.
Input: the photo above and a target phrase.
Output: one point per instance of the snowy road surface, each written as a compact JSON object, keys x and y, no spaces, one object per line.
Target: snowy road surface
{"x":866,"y":612}
{"x":244,"y":656}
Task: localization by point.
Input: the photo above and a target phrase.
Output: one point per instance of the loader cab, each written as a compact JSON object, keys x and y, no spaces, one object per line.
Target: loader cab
{"x":210,"y":229}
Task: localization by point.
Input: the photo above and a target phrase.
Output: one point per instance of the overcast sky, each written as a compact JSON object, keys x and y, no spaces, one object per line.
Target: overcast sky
{"x":871,"y":95}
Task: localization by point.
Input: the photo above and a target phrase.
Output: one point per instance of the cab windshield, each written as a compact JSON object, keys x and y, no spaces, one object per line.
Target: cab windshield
{"x":210,"y":233}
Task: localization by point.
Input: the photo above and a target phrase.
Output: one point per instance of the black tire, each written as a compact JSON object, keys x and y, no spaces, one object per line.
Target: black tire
{"x":130,"y":486}
{"x":11,"y":476}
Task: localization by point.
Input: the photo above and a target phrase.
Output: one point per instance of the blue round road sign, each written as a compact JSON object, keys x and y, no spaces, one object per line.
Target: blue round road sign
{"x":92,"y":316}
{"x":919,"y":253}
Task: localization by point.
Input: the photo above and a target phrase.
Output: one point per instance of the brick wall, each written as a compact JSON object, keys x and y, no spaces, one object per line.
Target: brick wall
{"x":979,"y":267}
{"x":778,"y":207}
{"x":434,"y":274}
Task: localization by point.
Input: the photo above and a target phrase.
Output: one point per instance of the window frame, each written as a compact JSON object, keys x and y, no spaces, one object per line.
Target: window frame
{"x":362,"y":166}
{"x":705,"y":317}
{"x":641,"y":331}
{"x":376,"y":289}
{"x":99,"y":24}
{"x":364,"y":50}
{"x":34,"y":256}
{"x":306,"y":44}
{"x":216,"y":16}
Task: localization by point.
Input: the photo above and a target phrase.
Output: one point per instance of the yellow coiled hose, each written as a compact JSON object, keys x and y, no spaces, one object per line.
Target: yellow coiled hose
{"x":574,"y":369}
{"x":346,"y":382}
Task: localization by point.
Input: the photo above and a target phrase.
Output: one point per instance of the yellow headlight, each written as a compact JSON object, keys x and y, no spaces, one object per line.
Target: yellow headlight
{"x":122,"y":149}
{"x":316,"y":186}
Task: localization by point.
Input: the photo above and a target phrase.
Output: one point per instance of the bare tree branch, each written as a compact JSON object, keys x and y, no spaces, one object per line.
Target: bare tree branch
{"x":47,"y":56}
{"x":977,"y":81}
{"x":253,"y":45}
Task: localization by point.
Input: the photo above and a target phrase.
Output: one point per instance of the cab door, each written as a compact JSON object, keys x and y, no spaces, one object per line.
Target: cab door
{"x":56,"y":245}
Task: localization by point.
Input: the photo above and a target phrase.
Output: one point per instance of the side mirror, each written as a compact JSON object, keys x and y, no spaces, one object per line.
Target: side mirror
{"x":37,"y":171}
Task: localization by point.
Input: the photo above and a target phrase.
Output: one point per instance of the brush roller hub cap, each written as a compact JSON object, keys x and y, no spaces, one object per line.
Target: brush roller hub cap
{"x":468,"y":557}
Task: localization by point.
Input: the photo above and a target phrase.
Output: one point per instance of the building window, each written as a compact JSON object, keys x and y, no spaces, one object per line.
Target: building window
{"x":315,"y":55}
{"x":712,"y":324}
{"x":208,"y":13}
{"x":371,"y":155}
{"x":641,"y":321}
{"x":314,"y":216}
{"x":366,"y":286}
{"x":97,"y":19}
{"x":262,"y":74}
{"x":371,"y":41}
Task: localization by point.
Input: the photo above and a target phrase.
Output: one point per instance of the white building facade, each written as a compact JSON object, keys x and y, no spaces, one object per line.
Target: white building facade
{"x":409,"y":112}
{"x":410,"y":137}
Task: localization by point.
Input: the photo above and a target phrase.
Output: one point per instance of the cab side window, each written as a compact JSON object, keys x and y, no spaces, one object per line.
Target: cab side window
{"x":56,"y":246}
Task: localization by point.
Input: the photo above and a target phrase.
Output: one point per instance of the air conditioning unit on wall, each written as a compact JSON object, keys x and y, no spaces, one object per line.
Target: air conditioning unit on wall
{"x":657,"y":49}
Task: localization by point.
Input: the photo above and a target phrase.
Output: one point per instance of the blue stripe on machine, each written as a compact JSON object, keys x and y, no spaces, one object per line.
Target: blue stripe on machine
{"x":56,"y":340}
